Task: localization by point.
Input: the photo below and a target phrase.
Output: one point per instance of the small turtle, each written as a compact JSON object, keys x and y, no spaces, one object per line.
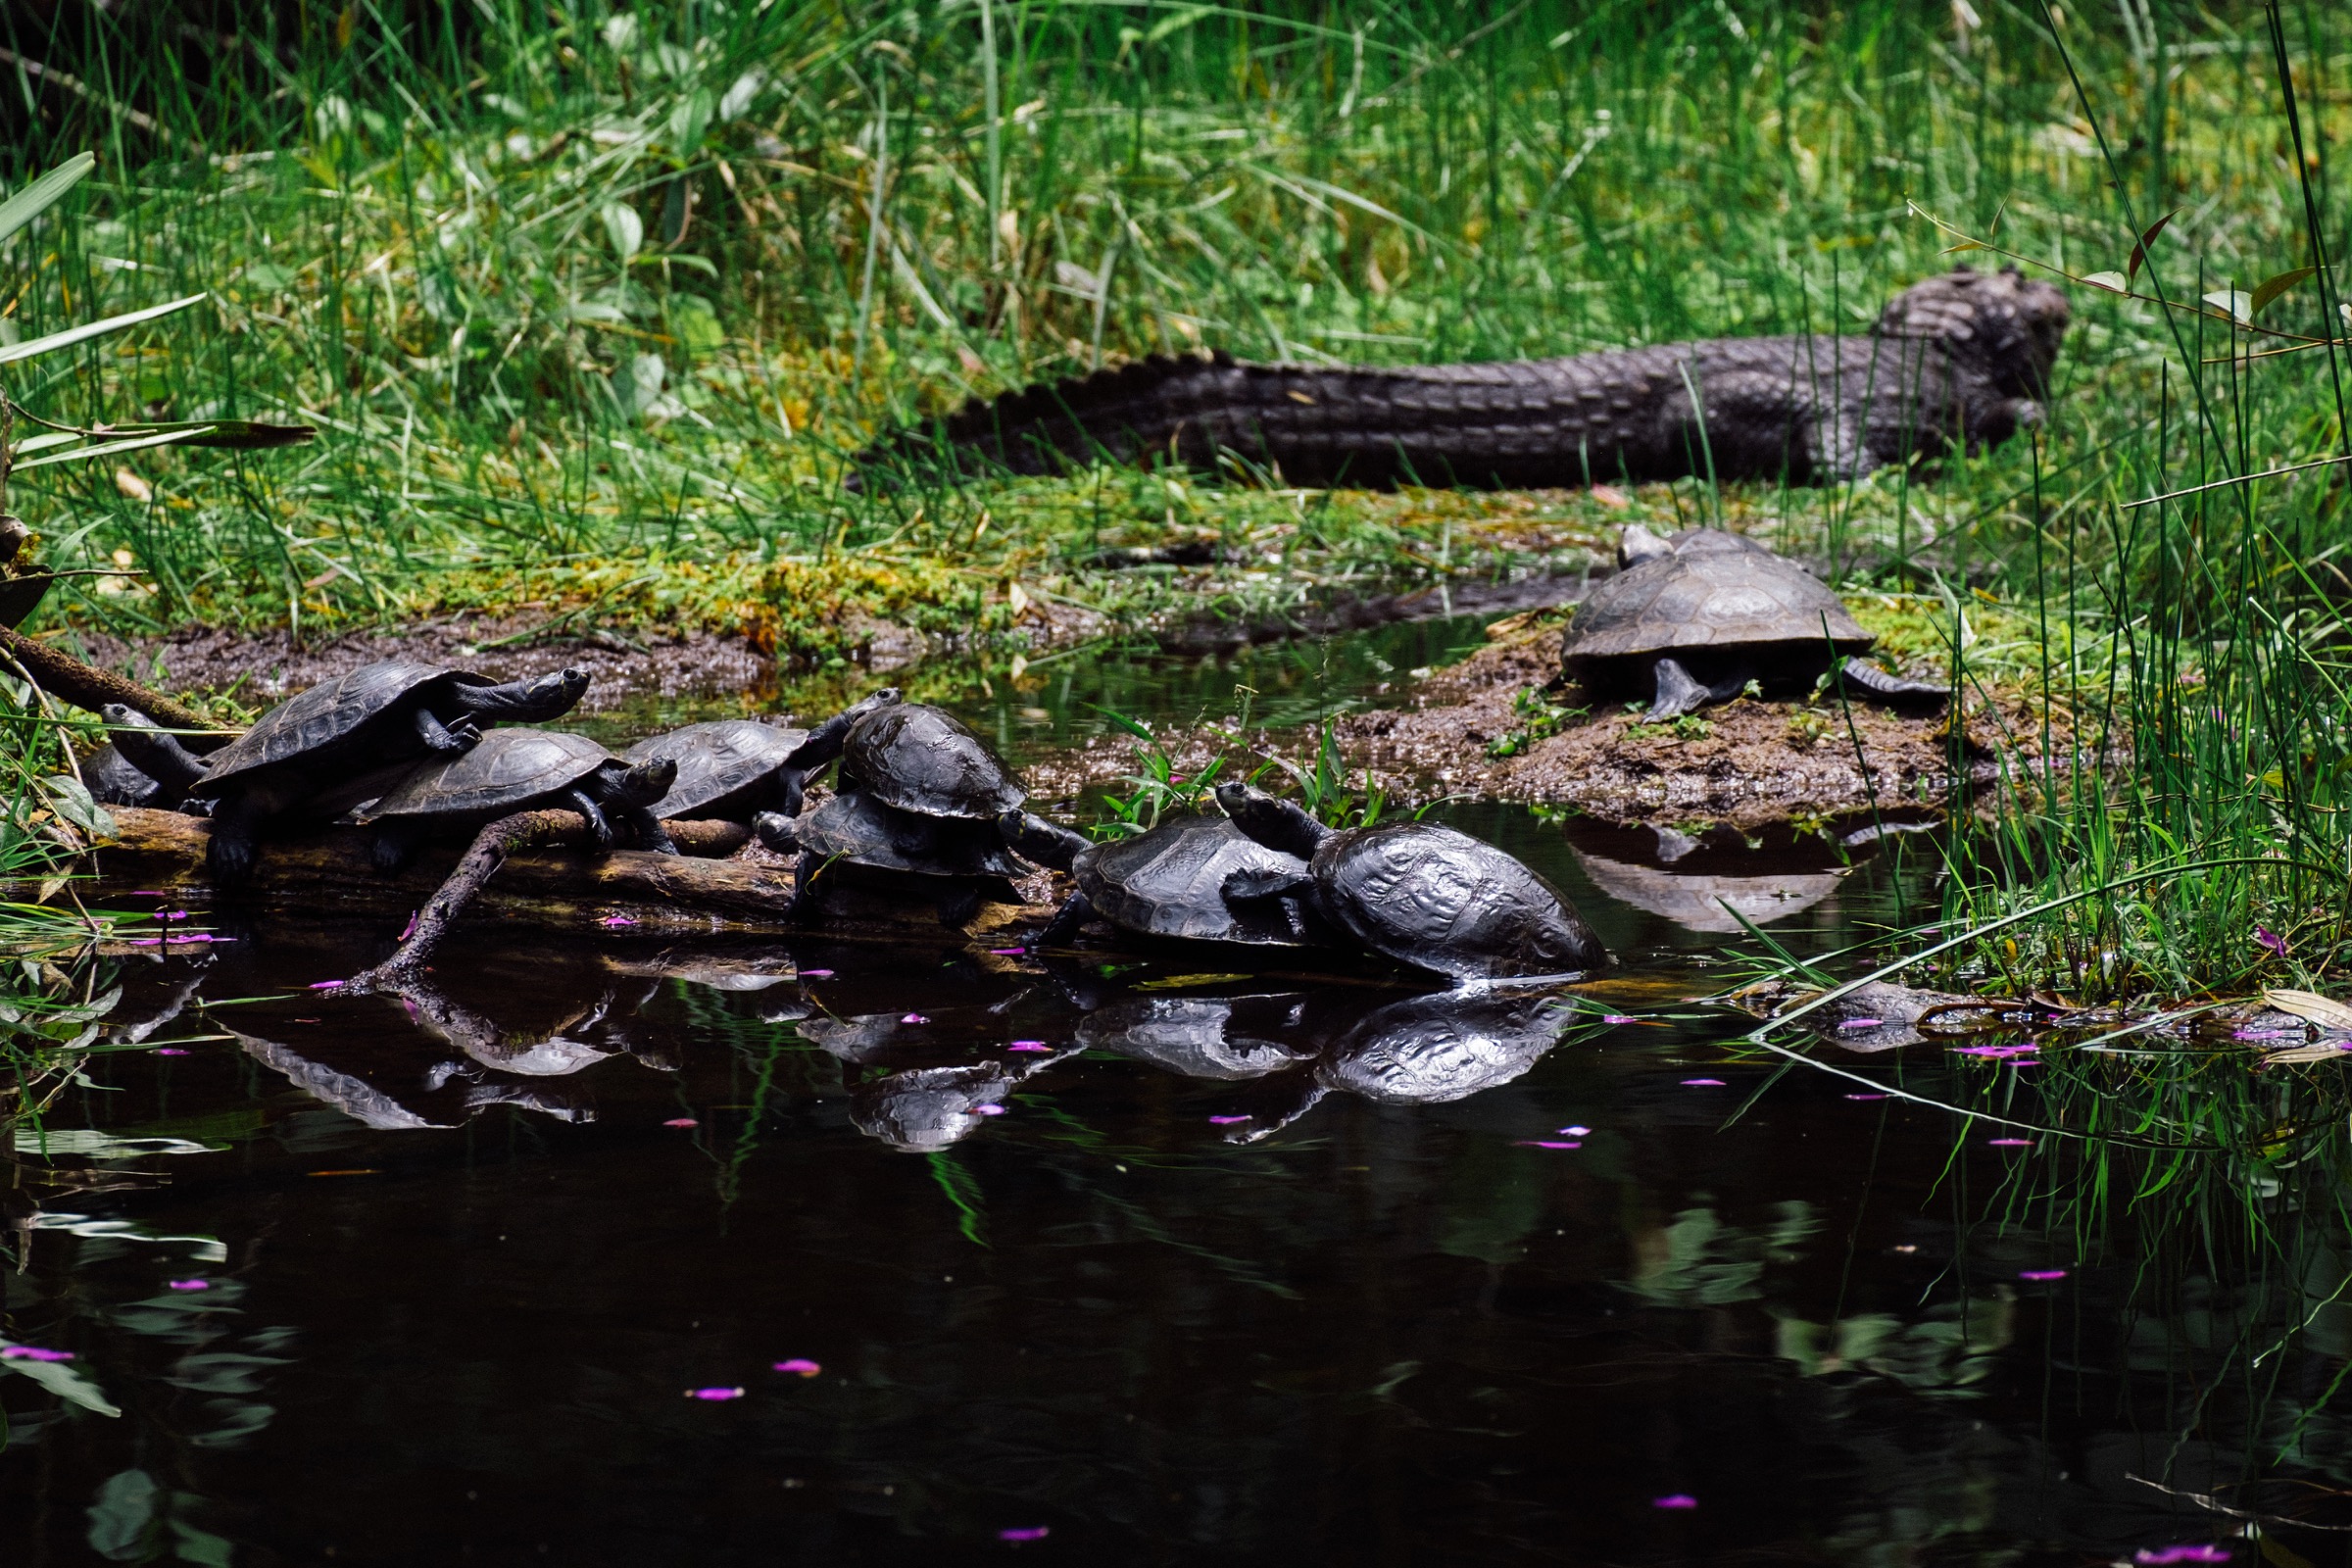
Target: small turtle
{"x":510,"y":770}
{"x":1695,"y":617}
{"x":910,"y":755}
{"x":378,"y":716}
{"x":854,"y":837}
{"x":1169,"y":882}
{"x":728,"y":769}
{"x":1420,"y":894}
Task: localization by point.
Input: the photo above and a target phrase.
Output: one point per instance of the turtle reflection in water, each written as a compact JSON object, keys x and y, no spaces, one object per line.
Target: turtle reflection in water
{"x":1693,"y":619}
{"x":1696,"y":899}
{"x":924,"y":1109}
{"x":1224,"y":1038}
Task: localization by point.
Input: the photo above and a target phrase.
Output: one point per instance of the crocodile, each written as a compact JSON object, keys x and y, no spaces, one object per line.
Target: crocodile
{"x":1958,"y":360}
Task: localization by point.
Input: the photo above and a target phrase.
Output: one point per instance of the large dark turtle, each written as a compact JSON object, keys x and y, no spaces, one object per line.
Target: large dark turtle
{"x":1420,"y":894}
{"x":510,"y":770}
{"x":1693,"y":619}
{"x":378,"y":716}
{"x":729,"y":769}
{"x":1169,"y":882}
{"x":910,"y":755}
{"x":857,"y":838}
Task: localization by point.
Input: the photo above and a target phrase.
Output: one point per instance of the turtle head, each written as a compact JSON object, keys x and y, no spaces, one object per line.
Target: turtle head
{"x":1032,"y":838}
{"x":154,"y":753}
{"x":1638,"y":544}
{"x":529,"y":702}
{"x":650,"y":780}
{"x":777,"y":832}
{"x":1276,"y":824}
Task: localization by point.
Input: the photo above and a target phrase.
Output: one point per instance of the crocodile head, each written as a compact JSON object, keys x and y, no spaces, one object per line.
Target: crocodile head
{"x":2002,"y":324}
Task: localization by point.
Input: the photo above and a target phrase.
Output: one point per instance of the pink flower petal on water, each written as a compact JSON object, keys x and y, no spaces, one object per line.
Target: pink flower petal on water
{"x":1541,"y":1143}
{"x":169,"y":1051}
{"x":1675,"y":1500}
{"x":1225,"y":1121}
{"x":2189,"y":1553}
{"x":1862,"y":1023}
{"x":1029,"y":1045}
{"x":189,"y":1285}
{"x":1702,"y":1083}
{"x":681,"y":1121}
{"x":409,"y":930}
{"x":1576,"y":1132}
{"x":613,"y":922}
{"x":328,"y":985}
{"x":915,"y":1017}
{"x":987,"y":1110}
{"x":173,"y":915}
{"x":1029,"y":1533}
{"x":1007,"y":953}
{"x":32,"y":1352}
{"x":714,"y":1394}
{"x":816,"y":974}
{"x":1866,"y":1097}
{"x":2039,"y":1274}
{"x":1619,"y":1017}
{"x":2010,"y":1142}
{"x":800,"y":1366}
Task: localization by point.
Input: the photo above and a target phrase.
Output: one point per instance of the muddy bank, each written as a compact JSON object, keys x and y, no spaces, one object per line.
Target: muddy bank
{"x":1745,"y":763}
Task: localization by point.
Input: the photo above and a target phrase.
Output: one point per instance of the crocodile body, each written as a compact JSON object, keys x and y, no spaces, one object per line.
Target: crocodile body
{"x":1956,"y":362}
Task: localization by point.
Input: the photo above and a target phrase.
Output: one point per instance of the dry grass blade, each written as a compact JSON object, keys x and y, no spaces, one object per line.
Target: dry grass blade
{"x":2325,"y":1012}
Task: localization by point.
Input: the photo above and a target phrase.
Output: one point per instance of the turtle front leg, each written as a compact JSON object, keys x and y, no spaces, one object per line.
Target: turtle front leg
{"x":1676,"y":691}
{"x":445,"y":740}
{"x":1869,"y":680}
{"x":600,"y":831}
{"x":1290,"y":894}
{"x":236,"y":828}
{"x":646,"y":829}
{"x":1074,"y":913}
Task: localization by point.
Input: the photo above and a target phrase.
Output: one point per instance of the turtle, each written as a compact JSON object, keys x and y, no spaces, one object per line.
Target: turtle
{"x":510,"y":770}
{"x":1694,"y":618}
{"x":1416,"y":892}
{"x":1168,"y":882}
{"x":728,"y":769}
{"x":857,"y":837}
{"x":343,"y":730}
{"x":910,"y":755}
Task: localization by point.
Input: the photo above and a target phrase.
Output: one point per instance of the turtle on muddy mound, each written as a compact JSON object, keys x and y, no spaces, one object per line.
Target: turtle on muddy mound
{"x":1694,"y":618}
{"x":339,"y":734}
{"x":1958,"y":360}
{"x":1415,"y":892}
{"x":510,"y":770}
{"x":1170,"y":882}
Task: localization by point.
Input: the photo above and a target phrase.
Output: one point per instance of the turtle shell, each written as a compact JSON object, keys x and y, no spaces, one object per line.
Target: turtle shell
{"x":1426,"y":1051}
{"x":1170,"y":882}
{"x":919,"y":758}
{"x":857,"y":827}
{"x":1716,"y":591}
{"x":329,"y":711}
{"x":1443,"y":901}
{"x":716,"y":760}
{"x":506,"y":768}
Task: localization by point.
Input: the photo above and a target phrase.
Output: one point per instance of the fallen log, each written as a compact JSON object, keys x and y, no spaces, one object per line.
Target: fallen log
{"x":87,"y":687}
{"x":549,"y":885}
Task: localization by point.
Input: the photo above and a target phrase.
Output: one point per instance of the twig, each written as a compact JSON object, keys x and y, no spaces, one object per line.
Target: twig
{"x":88,"y":94}
{"x":489,"y":850}
{"x":87,"y":686}
{"x":2243,"y":478}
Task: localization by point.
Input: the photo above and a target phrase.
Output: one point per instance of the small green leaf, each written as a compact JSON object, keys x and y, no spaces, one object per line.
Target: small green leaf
{"x":36,"y":198}
{"x":624,"y":228}
{"x":2271,"y":288}
{"x":11,"y":353}
{"x":121,"y":1516}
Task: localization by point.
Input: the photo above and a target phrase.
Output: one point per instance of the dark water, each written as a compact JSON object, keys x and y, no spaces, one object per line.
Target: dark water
{"x":1134,"y":1261}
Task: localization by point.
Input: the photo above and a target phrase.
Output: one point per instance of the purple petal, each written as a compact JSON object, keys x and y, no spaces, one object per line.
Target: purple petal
{"x":1619,"y":1017}
{"x":1866,"y":1097}
{"x":1702,"y":1083}
{"x":1030,"y":1532}
{"x":169,"y":1051}
{"x":328,"y":985}
{"x":1007,"y":953}
{"x":2010,"y":1142}
{"x":613,"y":922}
{"x":681,"y":1121}
{"x":1675,"y":1500}
{"x":189,"y":1285}
{"x":2188,"y":1553}
{"x":816,"y":974}
{"x":2271,"y":940}
{"x":714,"y":1394}
{"x":1225,"y":1121}
{"x":32,"y":1352}
{"x":1862,"y":1023}
{"x":1541,"y":1143}
{"x":800,"y":1365}
{"x":915,"y":1017}
{"x":987,"y":1110}
{"x":2039,"y":1274}
{"x":409,"y":930}
{"x":1576,"y":1132}
{"x":1028,"y":1044}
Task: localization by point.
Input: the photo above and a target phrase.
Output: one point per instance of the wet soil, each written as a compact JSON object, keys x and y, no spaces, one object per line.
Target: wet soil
{"x":1750,"y":761}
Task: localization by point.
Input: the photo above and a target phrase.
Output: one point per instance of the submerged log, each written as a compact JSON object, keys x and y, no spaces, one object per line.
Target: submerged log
{"x":549,"y":885}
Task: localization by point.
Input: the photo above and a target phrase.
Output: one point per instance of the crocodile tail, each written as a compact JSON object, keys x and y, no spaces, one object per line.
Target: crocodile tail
{"x":1518,"y":423}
